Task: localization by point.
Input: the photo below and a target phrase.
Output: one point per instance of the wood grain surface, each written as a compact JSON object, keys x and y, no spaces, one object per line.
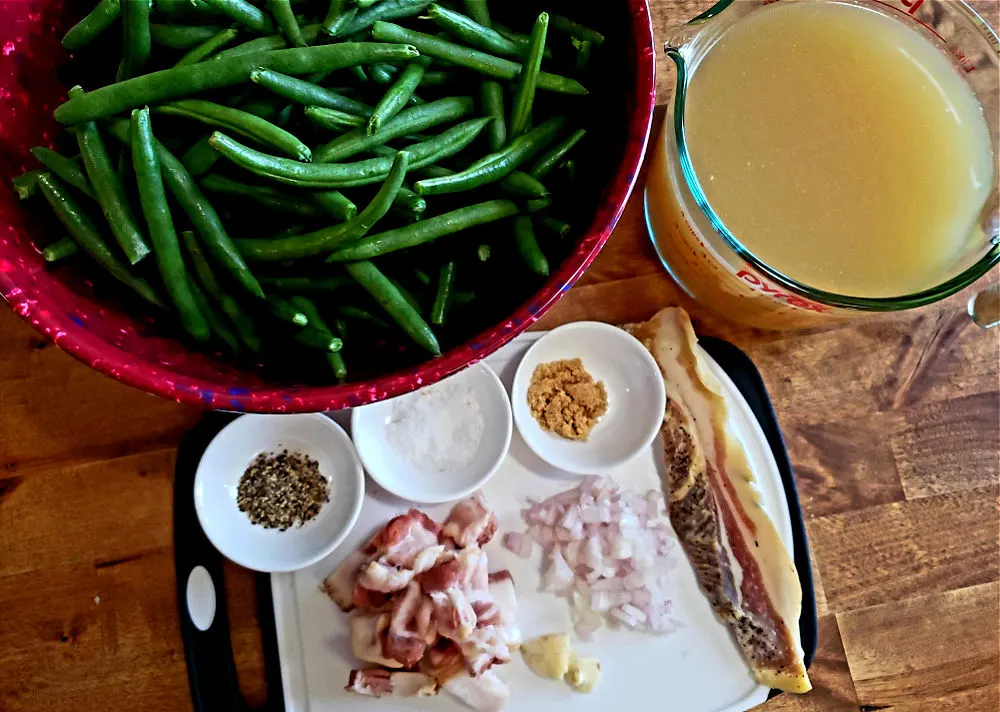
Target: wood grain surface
{"x":892,"y":425}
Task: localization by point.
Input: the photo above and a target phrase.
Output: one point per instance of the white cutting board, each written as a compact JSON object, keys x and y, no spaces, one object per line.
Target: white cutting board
{"x":695,"y":669}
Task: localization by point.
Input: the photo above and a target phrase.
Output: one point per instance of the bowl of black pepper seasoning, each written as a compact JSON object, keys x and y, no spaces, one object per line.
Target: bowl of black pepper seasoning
{"x":279,"y":493}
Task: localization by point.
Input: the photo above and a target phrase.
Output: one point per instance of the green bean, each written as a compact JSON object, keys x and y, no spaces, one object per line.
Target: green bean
{"x":486,"y":64}
{"x":330,"y":238}
{"x":338,"y":365}
{"x":483,"y":252}
{"x":536,"y":205}
{"x":439,"y":78}
{"x":186,"y":9}
{"x":97,"y":21}
{"x":109,"y":192}
{"x":26,"y":184}
{"x":310,"y":33}
{"x":69,"y":170}
{"x":244,"y":324}
{"x":209,"y":47}
{"x":521,"y":184}
{"x":182,"y":36}
{"x":495,"y":166}
{"x":491,"y":104}
{"x":219,"y":73}
{"x":425,"y":231}
{"x":576,"y":30}
{"x":166,"y":247}
{"x":136,"y":42}
{"x":352,"y":312}
{"x":247,"y":15}
{"x":472,"y":33}
{"x":359,"y":75}
{"x":200,"y":158}
{"x":584,"y":49}
{"x":238,"y":122}
{"x":560,"y":228}
{"x":84,"y":232}
{"x":385,"y":10}
{"x":388,"y":296}
{"x":462,"y":298}
{"x":318,"y":339}
{"x":303,"y":92}
{"x":319,"y":327}
{"x":409,"y":204}
{"x":527,"y":245}
{"x":517,"y":183}
{"x":333,"y":119}
{"x":334,"y":16}
{"x":60,"y":250}
{"x":216,"y":324}
{"x":336,"y":27}
{"x":414,"y":119}
{"x":478,"y":11}
{"x":291,"y":229}
{"x":550,"y":159}
{"x":286,"y":311}
{"x":307,"y":284}
{"x":200,"y":212}
{"x":345,"y":175}
{"x":408,"y":296}
{"x":367,"y":3}
{"x":284,"y":18}
{"x":442,"y":300}
{"x":524,"y":95}
{"x":422,"y":277}
{"x":334,"y":203}
{"x":262,"y":196}
{"x":382,"y":73}
{"x":396,"y":96}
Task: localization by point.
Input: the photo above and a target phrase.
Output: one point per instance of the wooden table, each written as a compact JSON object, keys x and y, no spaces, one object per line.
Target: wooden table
{"x":892,"y":425}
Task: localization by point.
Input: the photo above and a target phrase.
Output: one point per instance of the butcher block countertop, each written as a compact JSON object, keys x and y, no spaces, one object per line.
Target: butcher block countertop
{"x":892,"y":425}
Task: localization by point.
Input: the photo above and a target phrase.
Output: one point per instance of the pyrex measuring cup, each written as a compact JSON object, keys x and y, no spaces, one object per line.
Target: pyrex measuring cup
{"x":712,"y":263}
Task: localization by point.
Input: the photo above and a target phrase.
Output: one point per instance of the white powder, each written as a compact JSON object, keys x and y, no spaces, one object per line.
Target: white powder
{"x":438,"y":429}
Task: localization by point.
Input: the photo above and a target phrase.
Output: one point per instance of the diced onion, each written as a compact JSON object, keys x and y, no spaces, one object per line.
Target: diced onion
{"x":608,"y":552}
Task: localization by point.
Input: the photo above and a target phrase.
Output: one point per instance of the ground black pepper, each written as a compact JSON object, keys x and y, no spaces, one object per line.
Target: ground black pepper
{"x":283,"y":490}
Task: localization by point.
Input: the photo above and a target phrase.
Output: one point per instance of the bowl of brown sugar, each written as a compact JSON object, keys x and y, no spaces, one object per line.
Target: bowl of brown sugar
{"x":588,"y":397}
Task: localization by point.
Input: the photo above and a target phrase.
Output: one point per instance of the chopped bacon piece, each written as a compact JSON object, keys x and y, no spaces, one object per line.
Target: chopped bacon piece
{"x":340,"y":585}
{"x":470,"y":523}
{"x":367,"y":634}
{"x":368,"y":600}
{"x":738,"y":556}
{"x":375,"y":682}
{"x":403,"y":538}
{"x":405,"y":641}
{"x":380,"y":577}
{"x":486,"y":693}
{"x":502,"y":590}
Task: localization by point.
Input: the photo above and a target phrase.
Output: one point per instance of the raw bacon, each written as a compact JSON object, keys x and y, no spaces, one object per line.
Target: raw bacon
{"x":738,"y":557}
{"x":425,"y":599}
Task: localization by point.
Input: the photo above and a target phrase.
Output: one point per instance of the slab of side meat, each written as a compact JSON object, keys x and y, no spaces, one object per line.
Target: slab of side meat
{"x":740,"y":561}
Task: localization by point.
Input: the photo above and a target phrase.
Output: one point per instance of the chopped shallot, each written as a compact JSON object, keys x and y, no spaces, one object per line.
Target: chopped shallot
{"x":607,"y":551}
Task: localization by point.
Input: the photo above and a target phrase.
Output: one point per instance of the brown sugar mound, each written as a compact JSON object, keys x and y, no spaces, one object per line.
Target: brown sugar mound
{"x":565,"y":399}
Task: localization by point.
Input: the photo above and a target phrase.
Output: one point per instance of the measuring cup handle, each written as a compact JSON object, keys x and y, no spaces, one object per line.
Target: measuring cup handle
{"x":984,"y":307}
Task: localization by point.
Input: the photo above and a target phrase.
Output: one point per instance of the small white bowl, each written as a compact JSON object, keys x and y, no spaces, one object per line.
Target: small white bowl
{"x":636,"y":397}
{"x":404,"y":477}
{"x":226,"y":459}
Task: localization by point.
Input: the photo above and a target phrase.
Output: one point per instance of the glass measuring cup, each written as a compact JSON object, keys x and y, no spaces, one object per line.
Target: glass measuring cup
{"x":715,"y":267}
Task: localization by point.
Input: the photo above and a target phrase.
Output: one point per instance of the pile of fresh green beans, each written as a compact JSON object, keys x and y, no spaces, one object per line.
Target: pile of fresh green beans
{"x":311,"y":182}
